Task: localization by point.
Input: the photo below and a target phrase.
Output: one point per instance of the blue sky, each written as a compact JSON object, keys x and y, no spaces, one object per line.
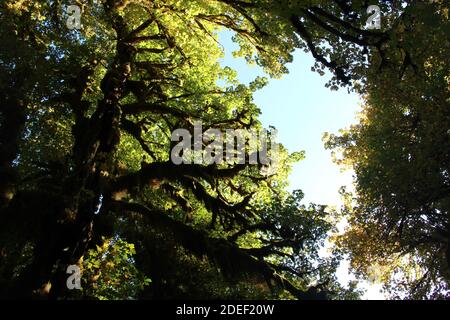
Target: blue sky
{"x":302,"y":109}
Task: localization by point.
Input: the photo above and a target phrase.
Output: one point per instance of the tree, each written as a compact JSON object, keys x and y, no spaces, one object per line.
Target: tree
{"x":399,"y":151}
{"x":85,"y":140}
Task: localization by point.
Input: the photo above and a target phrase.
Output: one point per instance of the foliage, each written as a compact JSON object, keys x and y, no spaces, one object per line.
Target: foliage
{"x":110,"y":273}
{"x":399,"y":151}
{"x":86,"y":119}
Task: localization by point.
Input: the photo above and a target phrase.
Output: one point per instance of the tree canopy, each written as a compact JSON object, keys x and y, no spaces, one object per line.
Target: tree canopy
{"x":86,"y":178}
{"x":399,"y":151}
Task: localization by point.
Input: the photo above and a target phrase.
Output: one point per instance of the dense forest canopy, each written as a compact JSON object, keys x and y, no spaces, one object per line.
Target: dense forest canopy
{"x":86,"y":175}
